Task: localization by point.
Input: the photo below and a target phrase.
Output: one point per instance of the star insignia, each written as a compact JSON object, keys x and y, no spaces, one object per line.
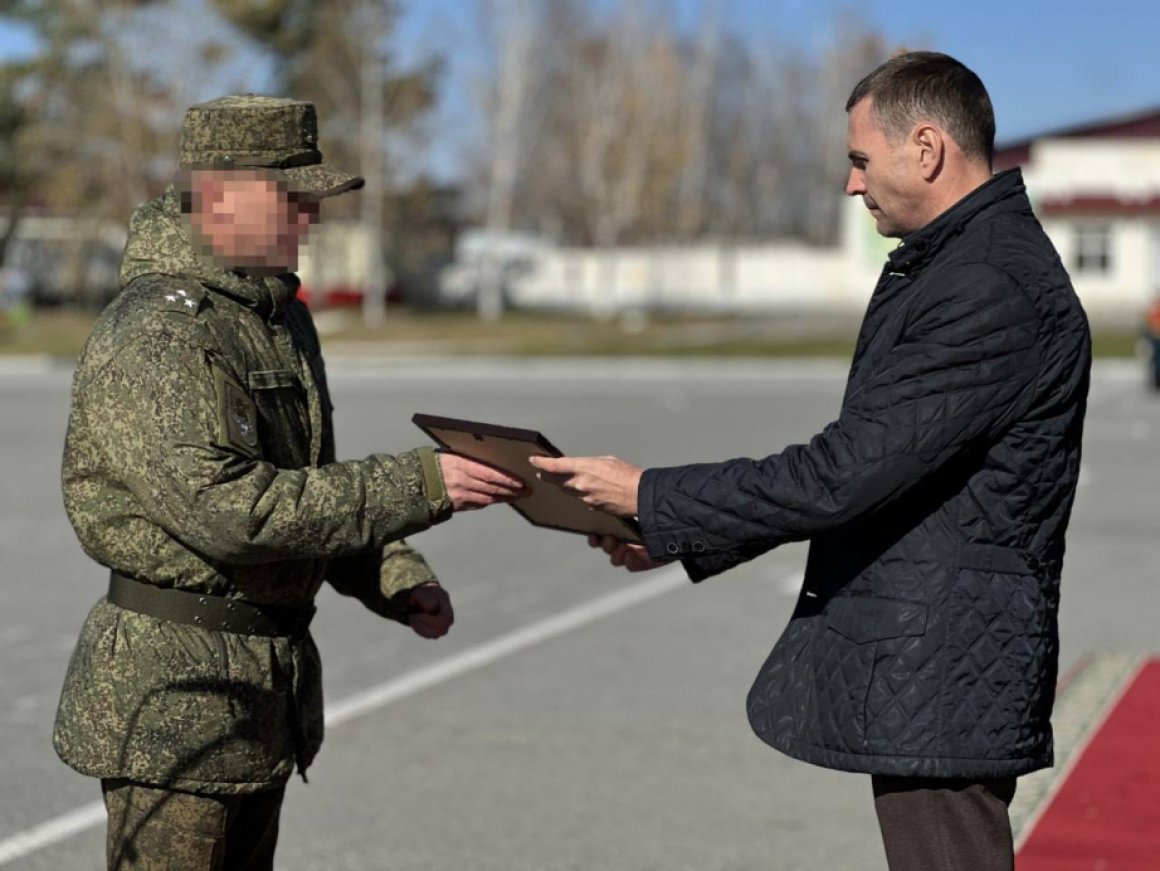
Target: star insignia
{"x":169,"y":297}
{"x":182,"y":293}
{"x":190,"y":303}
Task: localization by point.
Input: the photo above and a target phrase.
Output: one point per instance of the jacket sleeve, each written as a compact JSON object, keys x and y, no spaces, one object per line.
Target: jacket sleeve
{"x":961,"y":373}
{"x":380,"y":580}
{"x":183,"y":441}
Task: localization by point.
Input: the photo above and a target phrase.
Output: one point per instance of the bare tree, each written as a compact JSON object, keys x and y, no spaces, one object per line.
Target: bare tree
{"x":91,"y":120}
{"x":336,"y":53}
{"x":515,"y":28}
{"x":628,"y":131}
{"x":699,"y":112}
{"x":373,"y":25}
{"x":853,"y":51}
{"x":92,"y":113}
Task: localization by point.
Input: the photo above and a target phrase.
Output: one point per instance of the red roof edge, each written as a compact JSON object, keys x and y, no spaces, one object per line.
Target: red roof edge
{"x":1144,"y":123}
{"x":1100,"y":205}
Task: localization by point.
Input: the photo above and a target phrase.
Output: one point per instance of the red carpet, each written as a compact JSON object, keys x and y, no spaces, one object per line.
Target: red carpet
{"x":1106,"y":816}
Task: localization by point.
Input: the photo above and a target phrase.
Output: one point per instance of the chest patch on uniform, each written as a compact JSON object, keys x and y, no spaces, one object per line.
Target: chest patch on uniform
{"x":237,"y":415}
{"x":272,"y":379}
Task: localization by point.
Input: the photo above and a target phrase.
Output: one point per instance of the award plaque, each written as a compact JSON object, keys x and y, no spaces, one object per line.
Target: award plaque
{"x":508,"y":448}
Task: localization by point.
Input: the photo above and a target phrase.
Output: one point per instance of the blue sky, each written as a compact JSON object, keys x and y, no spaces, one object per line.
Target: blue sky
{"x":1046,"y":64}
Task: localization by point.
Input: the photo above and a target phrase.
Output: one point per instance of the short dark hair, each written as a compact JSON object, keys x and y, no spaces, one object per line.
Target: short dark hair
{"x":927,"y":85}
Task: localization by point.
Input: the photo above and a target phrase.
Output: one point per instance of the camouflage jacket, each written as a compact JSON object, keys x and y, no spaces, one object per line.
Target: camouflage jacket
{"x":200,"y":455}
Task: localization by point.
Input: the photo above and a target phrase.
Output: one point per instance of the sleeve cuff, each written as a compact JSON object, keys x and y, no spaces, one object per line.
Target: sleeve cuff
{"x":664,"y":538}
{"x":433,"y":486}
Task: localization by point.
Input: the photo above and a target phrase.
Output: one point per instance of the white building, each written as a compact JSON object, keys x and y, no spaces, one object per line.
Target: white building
{"x":337,"y":264}
{"x":1096,"y":189}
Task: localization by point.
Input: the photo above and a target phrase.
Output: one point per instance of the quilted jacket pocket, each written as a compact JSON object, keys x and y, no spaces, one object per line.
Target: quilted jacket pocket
{"x":863,"y":619}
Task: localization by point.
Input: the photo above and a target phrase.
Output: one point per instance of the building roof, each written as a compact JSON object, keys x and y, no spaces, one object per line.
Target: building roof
{"x":1141,"y":124}
{"x":1105,"y":206}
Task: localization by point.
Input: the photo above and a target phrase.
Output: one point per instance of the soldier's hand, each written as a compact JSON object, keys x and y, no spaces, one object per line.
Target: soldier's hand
{"x":474,"y":485}
{"x":431,"y":611}
{"x":634,"y":557}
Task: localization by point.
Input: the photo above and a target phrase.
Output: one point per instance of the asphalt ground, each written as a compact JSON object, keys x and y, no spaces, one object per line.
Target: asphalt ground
{"x":577,"y":717}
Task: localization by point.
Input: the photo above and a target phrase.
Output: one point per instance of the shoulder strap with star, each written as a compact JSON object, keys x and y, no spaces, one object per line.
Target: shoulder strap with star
{"x":185,"y":297}
{"x":156,"y":292}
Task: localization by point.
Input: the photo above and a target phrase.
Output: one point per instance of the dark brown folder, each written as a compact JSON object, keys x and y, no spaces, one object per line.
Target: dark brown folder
{"x":508,"y":448}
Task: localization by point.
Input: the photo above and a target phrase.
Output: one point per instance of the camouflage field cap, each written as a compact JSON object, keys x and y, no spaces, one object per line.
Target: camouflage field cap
{"x":248,"y":130}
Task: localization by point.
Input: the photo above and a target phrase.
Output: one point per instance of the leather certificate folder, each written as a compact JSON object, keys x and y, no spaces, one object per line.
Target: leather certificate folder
{"x":508,"y":448}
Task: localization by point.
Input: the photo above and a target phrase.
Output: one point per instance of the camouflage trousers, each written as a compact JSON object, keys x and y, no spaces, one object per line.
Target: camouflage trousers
{"x":162,"y":830}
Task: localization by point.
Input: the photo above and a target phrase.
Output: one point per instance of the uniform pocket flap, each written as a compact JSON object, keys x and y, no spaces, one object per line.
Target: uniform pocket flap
{"x":272,"y":379}
{"x":863,"y":619}
{"x":237,"y":416}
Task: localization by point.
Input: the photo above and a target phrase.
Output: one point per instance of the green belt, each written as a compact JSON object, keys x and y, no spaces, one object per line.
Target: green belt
{"x":208,"y":612}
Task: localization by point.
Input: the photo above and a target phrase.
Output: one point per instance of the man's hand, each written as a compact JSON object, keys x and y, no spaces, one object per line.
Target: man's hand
{"x":602,"y":482}
{"x":431,"y":611}
{"x":471,"y":484}
{"x":633,"y":557}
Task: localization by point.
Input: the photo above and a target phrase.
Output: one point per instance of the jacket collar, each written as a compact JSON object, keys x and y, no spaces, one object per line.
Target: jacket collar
{"x":1004,"y":191}
{"x":159,"y":243}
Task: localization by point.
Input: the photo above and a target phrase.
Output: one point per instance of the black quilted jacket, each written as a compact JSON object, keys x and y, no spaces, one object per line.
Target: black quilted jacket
{"x":924,"y":642}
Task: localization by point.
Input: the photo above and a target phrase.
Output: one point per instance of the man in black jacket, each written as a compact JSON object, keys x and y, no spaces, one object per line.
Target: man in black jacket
{"x":924,"y":644}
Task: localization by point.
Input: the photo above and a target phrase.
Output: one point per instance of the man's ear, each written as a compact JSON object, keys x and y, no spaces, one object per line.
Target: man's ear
{"x":930,"y":147}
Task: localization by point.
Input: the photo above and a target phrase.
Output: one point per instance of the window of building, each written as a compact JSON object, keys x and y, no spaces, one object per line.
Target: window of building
{"x":1093,"y":249}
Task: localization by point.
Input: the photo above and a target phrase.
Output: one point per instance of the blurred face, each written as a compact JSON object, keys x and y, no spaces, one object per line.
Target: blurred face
{"x":249,"y":220}
{"x":884,"y":174}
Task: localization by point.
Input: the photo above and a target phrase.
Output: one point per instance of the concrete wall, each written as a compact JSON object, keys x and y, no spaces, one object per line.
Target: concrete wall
{"x":701,"y":278}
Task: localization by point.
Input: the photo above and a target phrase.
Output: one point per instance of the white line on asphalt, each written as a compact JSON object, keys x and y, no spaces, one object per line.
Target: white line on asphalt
{"x":664,"y":581}
{"x":56,"y":829}
{"x":477,"y":657}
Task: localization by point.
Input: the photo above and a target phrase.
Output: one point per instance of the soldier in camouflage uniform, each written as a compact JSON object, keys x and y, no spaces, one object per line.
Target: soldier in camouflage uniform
{"x":200,"y":469}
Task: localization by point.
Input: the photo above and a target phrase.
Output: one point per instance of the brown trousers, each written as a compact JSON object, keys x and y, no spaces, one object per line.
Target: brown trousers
{"x":945,"y":825}
{"x":163,"y":830}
